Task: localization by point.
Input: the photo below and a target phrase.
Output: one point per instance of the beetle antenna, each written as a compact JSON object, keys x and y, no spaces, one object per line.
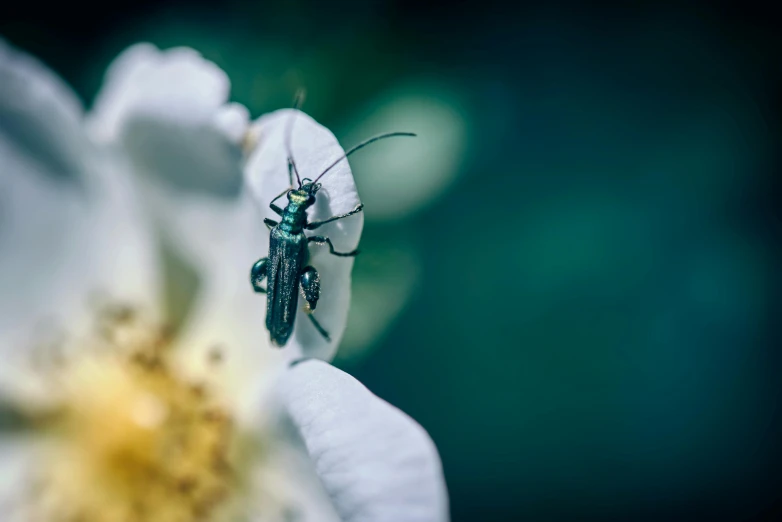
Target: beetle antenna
{"x":361,"y":146}
{"x":297,"y":101}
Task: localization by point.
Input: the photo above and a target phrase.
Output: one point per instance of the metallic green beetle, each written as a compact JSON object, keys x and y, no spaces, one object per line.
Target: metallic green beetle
{"x":287,"y":266}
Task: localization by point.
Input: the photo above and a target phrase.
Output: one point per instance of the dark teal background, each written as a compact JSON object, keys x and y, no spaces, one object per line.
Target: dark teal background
{"x":594,"y":332}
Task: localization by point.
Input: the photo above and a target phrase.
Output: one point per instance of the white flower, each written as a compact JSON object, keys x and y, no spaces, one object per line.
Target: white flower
{"x":150,"y":209}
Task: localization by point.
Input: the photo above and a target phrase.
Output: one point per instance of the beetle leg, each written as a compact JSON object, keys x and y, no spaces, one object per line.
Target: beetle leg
{"x":309,"y":282}
{"x":270,"y":223}
{"x":318,"y":327}
{"x":258,"y":274}
{"x":277,"y":210}
{"x":310,"y":287}
{"x":324,"y":240}
{"x":316,"y":224}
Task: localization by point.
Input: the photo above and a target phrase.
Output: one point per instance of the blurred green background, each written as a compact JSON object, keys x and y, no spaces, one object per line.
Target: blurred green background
{"x":571,"y":280}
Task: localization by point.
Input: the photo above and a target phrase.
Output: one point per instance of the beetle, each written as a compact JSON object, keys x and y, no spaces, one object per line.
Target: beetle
{"x":287,"y":269}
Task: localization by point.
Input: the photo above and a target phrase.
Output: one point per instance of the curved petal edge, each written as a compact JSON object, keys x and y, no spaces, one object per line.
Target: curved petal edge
{"x":375,"y":462}
{"x":169,"y":110}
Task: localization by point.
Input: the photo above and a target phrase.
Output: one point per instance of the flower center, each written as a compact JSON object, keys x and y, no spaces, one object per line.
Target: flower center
{"x":134,"y":440}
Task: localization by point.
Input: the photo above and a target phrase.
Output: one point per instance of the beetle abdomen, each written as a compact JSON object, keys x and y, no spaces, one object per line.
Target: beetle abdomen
{"x":287,"y":254}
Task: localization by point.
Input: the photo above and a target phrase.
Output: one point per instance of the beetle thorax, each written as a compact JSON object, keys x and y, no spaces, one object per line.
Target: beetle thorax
{"x":294,"y":216}
{"x":301,"y":197}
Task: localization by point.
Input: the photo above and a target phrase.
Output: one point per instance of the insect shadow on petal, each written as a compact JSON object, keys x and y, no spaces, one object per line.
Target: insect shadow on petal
{"x":287,"y":269}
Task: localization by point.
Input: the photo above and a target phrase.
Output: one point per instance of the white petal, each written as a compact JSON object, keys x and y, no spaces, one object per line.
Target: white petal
{"x":16,"y":463}
{"x":377,"y":464}
{"x":314,"y":148}
{"x":286,"y":486}
{"x":226,"y":312}
{"x":39,"y":115}
{"x":169,"y":111}
{"x":62,"y":237}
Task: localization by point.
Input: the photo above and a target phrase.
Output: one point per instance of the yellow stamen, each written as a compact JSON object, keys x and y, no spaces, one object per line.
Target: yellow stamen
{"x":133,"y":440}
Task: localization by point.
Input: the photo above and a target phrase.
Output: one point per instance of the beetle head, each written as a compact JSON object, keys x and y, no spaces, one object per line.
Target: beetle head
{"x":305,"y":194}
{"x":309,"y":186}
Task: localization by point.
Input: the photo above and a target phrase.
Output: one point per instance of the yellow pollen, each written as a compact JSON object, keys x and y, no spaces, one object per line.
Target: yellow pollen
{"x":135,"y":441}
